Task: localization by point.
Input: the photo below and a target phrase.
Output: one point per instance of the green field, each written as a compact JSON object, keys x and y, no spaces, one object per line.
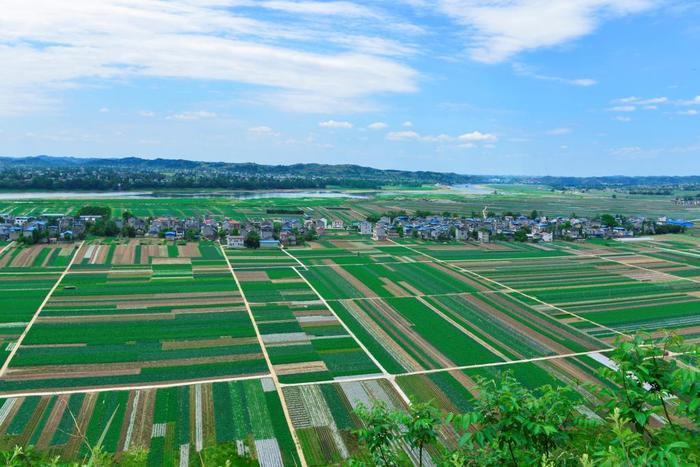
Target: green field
{"x":227,"y":338}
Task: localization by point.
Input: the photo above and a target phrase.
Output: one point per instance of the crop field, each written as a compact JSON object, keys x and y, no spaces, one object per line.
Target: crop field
{"x":194,"y":347}
{"x":305,"y":341}
{"x":168,"y":319}
{"x":175,"y":425}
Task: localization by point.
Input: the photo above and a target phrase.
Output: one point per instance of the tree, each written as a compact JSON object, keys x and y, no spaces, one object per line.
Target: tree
{"x":521,"y":235}
{"x":252,"y":240}
{"x":421,"y":424}
{"x":381,"y":430}
{"x":514,"y":425}
{"x":608,"y":220}
{"x":128,"y":231}
{"x":534,"y":214}
{"x":191,"y":234}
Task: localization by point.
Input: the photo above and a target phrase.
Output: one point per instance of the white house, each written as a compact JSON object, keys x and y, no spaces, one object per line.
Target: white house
{"x":379,"y":233}
{"x":365,"y":228}
{"x":235,"y":241}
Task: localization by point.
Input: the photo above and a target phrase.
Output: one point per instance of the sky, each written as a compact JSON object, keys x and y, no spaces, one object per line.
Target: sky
{"x":504,"y":87}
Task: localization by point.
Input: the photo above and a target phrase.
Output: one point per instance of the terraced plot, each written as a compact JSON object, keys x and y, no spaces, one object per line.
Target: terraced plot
{"x":323,"y":416}
{"x":176,"y":425}
{"x":171,"y":320}
{"x":304,"y":339}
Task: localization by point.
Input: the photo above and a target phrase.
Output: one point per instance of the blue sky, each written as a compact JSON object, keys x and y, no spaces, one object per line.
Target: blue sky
{"x":556,"y":87}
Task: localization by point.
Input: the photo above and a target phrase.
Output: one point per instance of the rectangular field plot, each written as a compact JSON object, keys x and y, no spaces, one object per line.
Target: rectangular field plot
{"x":270,"y":257}
{"x":389,"y":280}
{"x":454,"y":391}
{"x":407,"y":334}
{"x":490,"y":251}
{"x":128,"y":253}
{"x":304,"y":340}
{"x":37,"y":258}
{"x":324,"y":420}
{"x":163,"y":321}
{"x":20,"y":297}
{"x":620,"y":293}
{"x":175,"y":426}
{"x":278,"y":285}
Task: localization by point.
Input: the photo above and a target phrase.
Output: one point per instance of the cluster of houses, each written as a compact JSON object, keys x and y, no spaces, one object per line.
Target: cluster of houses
{"x":488,"y":228}
{"x":688,"y":201}
{"x":292,"y":231}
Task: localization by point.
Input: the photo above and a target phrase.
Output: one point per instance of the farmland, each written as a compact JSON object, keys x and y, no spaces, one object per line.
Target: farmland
{"x":194,"y":349}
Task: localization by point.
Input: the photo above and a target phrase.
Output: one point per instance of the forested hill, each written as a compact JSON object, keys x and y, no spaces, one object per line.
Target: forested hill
{"x":72,"y":173}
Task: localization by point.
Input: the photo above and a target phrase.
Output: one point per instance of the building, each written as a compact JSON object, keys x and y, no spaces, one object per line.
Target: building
{"x":365,"y":228}
{"x":379,"y":233}
{"x":269,"y":243}
{"x":484,"y":237}
{"x":235,"y":241}
{"x":338,"y":224}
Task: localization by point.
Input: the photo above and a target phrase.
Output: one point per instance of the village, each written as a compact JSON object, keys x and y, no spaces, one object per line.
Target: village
{"x":291,"y":231}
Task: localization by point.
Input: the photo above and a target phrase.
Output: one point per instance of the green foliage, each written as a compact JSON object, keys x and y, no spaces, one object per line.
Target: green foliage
{"x":421,"y":424}
{"x":381,"y":431}
{"x":608,"y":220}
{"x":252,"y":240}
{"x":225,"y":454}
{"x":648,"y":415}
{"x":513,"y":425}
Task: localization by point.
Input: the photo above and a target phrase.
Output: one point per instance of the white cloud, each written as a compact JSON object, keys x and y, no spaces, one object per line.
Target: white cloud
{"x":559,"y":131}
{"x":49,"y":45}
{"x":477,"y":136}
{"x":500,"y":29}
{"x":623,"y":119}
{"x":262,"y":131}
{"x":335,"y":124}
{"x":377,"y":126}
{"x":648,"y":102}
{"x":466,"y":139}
{"x":693,"y":101}
{"x":689,"y":112}
{"x":104,"y":110}
{"x":147,"y":114}
{"x":524,"y":70}
{"x":403,"y":136}
{"x":192,"y":115}
{"x":333,"y":8}
{"x":623,"y":108}
{"x":407,"y":124}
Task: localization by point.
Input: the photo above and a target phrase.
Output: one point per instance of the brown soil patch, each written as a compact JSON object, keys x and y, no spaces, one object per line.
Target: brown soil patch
{"x":171,"y":261}
{"x":207,"y":343}
{"x":52,"y":422}
{"x":461,"y":277}
{"x":296,"y":368}
{"x":26,"y":257}
{"x":191,"y":250}
{"x":355,"y":282}
{"x":252,"y":276}
{"x":292,"y":280}
{"x":410,"y":288}
{"x":82,"y":418}
{"x":157,"y":296}
{"x":393,"y":288}
{"x":125,"y":253}
{"x":115,"y":369}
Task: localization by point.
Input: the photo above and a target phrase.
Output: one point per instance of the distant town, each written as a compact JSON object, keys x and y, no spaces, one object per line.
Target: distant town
{"x":287,"y":230}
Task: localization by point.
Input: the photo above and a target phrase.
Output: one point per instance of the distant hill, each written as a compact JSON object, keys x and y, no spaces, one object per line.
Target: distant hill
{"x":58,"y":173}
